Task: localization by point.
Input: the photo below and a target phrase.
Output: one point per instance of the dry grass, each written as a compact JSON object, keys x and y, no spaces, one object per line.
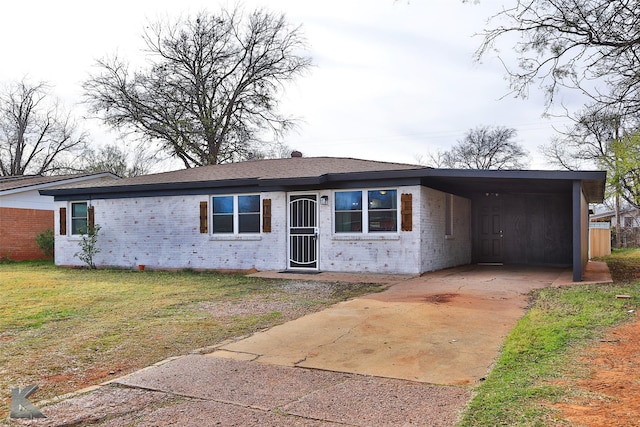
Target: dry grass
{"x":65,"y":329}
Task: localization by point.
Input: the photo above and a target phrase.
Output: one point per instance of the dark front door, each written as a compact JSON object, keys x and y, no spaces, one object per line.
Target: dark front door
{"x":489,"y":231}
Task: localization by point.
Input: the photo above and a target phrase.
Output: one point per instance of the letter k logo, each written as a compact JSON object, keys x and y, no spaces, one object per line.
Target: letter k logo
{"x":21,"y":407}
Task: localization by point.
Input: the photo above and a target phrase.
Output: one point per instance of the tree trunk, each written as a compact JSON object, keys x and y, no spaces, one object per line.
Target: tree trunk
{"x":618,"y":228}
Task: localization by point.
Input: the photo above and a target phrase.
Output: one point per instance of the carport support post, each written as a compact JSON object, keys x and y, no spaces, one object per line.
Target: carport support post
{"x":577,"y":231}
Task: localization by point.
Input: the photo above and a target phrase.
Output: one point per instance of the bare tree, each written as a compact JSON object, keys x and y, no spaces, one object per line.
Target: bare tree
{"x":209,"y":93}
{"x":111,"y":158}
{"x":604,"y":139}
{"x":622,"y":164}
{"x":483,"y":147}
{"x":35,"y":133}
{"x":439,"y":159}
{"x":587,"y":141}
{"x":589,"y":45}
{"x":276,"y":150}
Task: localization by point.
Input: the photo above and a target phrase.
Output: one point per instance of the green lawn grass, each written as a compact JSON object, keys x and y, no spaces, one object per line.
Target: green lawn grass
{"x":545,"y":345}
{"x":64,"y":329}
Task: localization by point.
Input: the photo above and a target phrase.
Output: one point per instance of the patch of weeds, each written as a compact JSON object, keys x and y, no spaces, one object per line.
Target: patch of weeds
{"x":46,"y":242}
{"x":343,"y":291}
{"x":241,"y":325}
{"x":37,"y":319}
{"x":624,"y":265}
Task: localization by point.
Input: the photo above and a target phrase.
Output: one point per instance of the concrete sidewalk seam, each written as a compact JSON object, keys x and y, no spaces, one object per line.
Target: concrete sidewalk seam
{"x":276,"y":410}
{"x":191,"y":397}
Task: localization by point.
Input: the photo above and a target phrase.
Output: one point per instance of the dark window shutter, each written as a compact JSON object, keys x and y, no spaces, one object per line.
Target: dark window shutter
{"x":63,"y":221}
{"x":204,"y":216}
{"x":406,"y":212}
{"x":266,"y":215}
{"x":91,"y":218}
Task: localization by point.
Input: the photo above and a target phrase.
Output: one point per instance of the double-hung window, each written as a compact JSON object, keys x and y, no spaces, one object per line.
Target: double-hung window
{"x":370,"y":211}
{"x":238,"y":214}
{"x":79,"y":218}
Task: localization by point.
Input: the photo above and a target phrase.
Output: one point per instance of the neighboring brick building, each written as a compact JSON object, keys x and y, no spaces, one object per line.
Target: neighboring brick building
{"x":331,"y":214}
{"x":24,"y":213}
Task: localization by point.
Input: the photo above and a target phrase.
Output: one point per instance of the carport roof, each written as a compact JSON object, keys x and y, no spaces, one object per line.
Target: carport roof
{"x":332,"y":172}
{"x":467,"y":182}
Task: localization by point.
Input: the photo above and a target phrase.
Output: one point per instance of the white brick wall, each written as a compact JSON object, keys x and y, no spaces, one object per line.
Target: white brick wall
{"x":163,"y":232}
{"x":371,"y":253}
{"x":438,"y":250}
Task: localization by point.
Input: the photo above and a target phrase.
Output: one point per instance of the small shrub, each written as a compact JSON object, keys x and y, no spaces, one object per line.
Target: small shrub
{"x":89,"y":247}
{"x":46,"y":242}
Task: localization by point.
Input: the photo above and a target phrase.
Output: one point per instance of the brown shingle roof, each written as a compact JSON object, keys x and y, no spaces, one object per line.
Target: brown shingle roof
{"x":16,"y":182}
{"x":291,"y":168}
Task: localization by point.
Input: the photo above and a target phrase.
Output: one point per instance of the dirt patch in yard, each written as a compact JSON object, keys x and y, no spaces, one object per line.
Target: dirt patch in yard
{"x":610,"y":393}
{"x":291,"y":300}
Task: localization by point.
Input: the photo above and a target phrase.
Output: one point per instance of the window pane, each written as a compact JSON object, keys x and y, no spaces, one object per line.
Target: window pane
{"x":78,"y":210}
{"x":222,"y":224}
{"x":78,"y":226}
{"x":383,"y":199}
{"x":348,"y":201}
{"x":383,"y":221}
{"x":249,"y":223}
{"x":223,"y":205}
{"x":348,"y":222}
{"x":249,"y":204}
{"x":79,"y":218}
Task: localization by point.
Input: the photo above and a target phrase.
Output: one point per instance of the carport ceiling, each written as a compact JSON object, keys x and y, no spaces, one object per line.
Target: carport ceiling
{"x":466,"y":187}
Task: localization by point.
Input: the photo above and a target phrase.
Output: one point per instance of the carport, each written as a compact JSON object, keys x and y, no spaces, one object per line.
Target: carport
{"x":526,"y":217}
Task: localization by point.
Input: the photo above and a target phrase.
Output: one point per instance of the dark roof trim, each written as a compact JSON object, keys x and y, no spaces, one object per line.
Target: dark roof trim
{"x":518,"y":174}
{"x":332,"y":180}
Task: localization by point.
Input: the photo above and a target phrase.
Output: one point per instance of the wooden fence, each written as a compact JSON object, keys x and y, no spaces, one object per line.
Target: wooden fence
{"x":599,"y":242}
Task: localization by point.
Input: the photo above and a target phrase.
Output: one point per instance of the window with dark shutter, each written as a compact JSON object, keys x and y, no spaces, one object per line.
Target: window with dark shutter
{"x":266,"y":215}
{"x":235,"y":214}
{"x":63,"y":221}
{"x":79,"y":218}
{"x":248,"y":208}
{"x":406,"y":211}
{"x":204,"y":215}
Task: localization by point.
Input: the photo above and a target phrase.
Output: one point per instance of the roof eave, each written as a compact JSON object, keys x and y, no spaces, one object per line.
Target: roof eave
{"x":167,"y":186}
{"x":593,"y":181}
{"x":43,"y":186}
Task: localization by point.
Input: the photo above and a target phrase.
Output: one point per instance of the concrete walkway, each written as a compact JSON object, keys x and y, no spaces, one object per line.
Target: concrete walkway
{"x":407,"y":356}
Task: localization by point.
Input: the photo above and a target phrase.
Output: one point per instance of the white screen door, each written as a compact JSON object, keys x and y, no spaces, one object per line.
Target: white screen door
{"x":303,"y":231}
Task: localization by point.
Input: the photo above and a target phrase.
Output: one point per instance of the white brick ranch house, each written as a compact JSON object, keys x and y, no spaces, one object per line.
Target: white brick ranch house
{"x":331,"y":214}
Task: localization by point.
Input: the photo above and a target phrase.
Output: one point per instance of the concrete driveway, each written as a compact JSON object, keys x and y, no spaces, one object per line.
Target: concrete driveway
{"x":407,"y":356}
{"x":444,"y":327}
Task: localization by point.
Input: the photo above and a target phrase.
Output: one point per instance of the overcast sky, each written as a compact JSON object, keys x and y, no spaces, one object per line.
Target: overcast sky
{"x":392,"y":80}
